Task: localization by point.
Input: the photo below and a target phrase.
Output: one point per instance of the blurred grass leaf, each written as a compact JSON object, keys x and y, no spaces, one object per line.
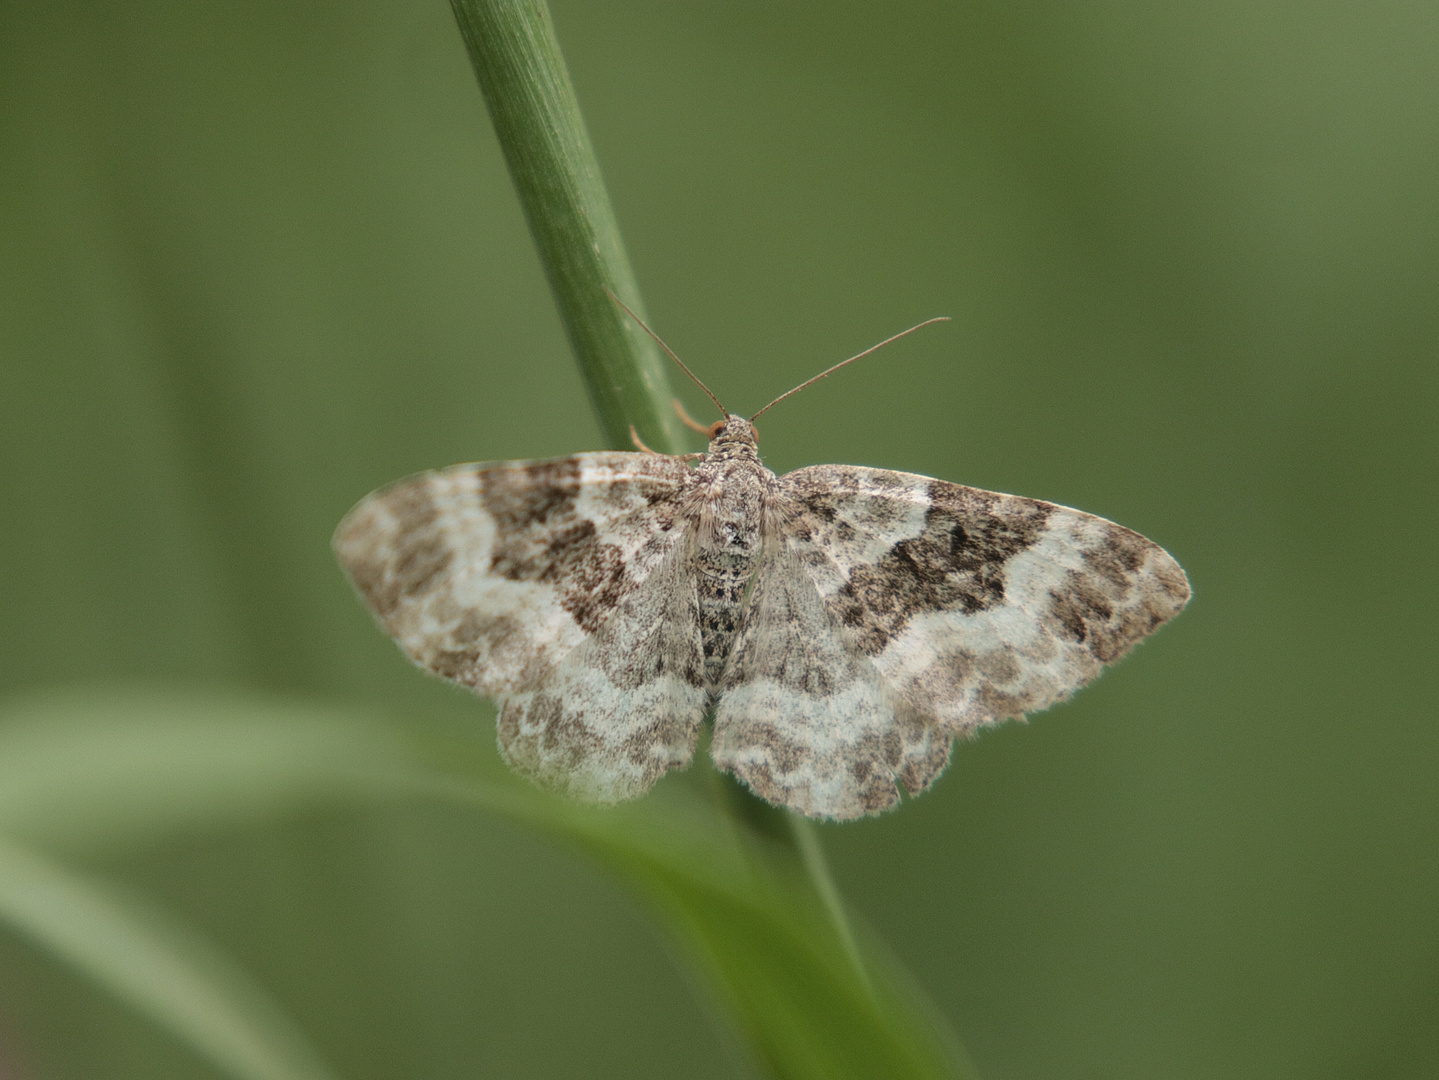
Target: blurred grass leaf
{"x":161,"y":968}
{"x":99,"y":766}
{"x":113,"y":764}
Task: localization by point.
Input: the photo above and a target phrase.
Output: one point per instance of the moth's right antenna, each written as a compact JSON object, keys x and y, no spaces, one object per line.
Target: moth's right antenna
{"x":630,"y":312}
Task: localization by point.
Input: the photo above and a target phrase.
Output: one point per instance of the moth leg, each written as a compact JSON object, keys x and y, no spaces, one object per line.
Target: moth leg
{"x":635,"y":438}
{"x":707,"y":430}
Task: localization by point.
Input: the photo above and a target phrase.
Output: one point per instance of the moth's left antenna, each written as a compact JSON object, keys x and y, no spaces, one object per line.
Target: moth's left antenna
{"x":852,"y":359}
{"x":660,"y":342}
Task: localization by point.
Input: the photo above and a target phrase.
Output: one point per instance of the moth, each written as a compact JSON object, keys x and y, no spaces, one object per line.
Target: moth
{"x":841,"y":625}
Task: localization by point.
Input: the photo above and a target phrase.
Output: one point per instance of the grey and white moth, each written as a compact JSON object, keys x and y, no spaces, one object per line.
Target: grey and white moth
{"x":842,"y":624}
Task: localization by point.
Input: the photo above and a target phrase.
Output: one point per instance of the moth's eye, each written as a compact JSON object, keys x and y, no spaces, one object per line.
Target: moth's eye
{"x":717,"y":427}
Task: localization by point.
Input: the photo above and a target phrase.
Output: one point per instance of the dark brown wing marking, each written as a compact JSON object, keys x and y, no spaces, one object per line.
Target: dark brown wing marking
{"x":490,"y":574}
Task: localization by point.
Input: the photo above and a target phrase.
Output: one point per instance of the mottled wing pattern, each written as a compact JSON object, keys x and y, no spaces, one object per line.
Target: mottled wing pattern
{"x":972,"y":606}
{"x":504,"y":576}
{"x":804,"y":718}
{"x":607,"y":721}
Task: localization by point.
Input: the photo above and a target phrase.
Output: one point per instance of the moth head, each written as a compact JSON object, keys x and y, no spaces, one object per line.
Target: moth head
{"x":733,"y":429}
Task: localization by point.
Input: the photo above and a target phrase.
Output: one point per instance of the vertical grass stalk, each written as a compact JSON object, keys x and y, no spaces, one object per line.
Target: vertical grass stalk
{"x":516,"y":56}
{"x":797,"y":981}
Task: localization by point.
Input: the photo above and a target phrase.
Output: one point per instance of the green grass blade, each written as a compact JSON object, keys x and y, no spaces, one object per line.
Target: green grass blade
{"x":158,"y":967}
{"x":799,"y":1026}
{"x":806,"y":1018}
{"x":140,"y":765}
{"x":98,"y":768}
{"x":811,"y":1002}
{"x":515,"y":54}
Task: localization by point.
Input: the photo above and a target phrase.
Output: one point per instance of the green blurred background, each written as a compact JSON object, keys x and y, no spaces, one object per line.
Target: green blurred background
{"x":259,"y":258}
